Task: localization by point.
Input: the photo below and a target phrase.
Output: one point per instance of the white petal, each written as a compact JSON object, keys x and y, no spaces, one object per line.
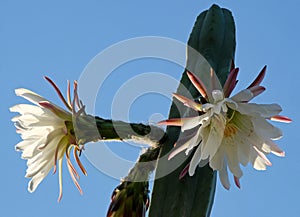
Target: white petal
{"x":231,"y":104}
{"x":265,"y":110}
{"x":195,"y":161}
{"x":243,"y":150}
{"x":265,"y":129}
{"x":265,"y":145}
{"x":36,"y":133}
{"x":48,"y":151}
{"x":203,"y":162}
{"x":30,"y":147}
{"x":194,"y":141}
{"x":270,"y":146}
{"x":216,"y":163}
{"x":263,"y":156}
{"x":178,"y":150}
{"x":257,"y":162}
{"x":38,"y":178}
{"x":223,"y":174}
{"x":212,"y":141}
{"x":189,"y":123}
{"x":233,"y":160}
{"x":25,"y":120}
{"x":243,"y":96}
{"x":27,"y":109}
{"x":29,"y":95}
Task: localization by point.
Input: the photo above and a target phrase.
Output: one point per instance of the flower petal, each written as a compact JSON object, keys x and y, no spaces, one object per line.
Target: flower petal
{"x":230,"y":82}
{"x":265,"y":110}
{"x":231,"y":151}
{"x":256,"y":90}
{"x":243,"y":96}
{"x":259,"y":78}
{"x":264,"y":129}
{"x":177,"y":150}
{"x":212,"y":141}
{"x":189,"y":123}
{"x":61,"y":113}
{"x":217,"y":161}
{"x":198,"y":84}
{"x":263,"y":156}
{"x":29,"y":147}
{"x":171,"y":122}
{"x":280,"y":118}
{"x":188,"y":102}
{"x":223,"y":174}
{"x":27,"y":109}
{"x":257,"y":162}
{"x":29,"y":95}
{"x":195,"y":161}
{"x":38,"y":178}
{"x":270,"y":146}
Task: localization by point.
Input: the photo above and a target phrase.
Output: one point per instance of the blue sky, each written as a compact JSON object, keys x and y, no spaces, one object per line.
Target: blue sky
{"x":59,"y":38}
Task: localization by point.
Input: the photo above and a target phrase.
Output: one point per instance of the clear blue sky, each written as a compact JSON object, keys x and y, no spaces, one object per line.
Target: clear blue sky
{"x":58,"y":39}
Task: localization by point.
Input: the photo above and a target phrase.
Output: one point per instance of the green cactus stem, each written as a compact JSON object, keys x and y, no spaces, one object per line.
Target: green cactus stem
{"x":213,"y":36}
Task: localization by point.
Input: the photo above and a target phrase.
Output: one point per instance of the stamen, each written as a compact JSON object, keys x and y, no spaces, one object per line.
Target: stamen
{"x":230,"y":130}
{"x":259,"y":78}
{"x":58,"y":92}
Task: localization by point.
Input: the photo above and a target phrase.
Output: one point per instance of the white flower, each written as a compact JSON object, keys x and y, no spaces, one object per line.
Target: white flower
{"x":48,"y":134}
{"x":230,"y":131}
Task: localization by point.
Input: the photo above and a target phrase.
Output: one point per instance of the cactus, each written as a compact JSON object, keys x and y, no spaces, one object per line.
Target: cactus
{"x":213,"y":36}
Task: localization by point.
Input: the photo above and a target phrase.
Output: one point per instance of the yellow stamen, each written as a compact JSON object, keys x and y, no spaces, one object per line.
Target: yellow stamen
{"x":230,"y":130}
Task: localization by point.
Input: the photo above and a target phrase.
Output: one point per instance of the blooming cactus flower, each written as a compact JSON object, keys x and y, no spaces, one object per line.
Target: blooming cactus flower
{"x":48,"y":134}
{"x":229,"y":130}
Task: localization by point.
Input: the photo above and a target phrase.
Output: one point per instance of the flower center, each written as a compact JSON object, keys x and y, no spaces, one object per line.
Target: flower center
{"x":70,"y":132}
